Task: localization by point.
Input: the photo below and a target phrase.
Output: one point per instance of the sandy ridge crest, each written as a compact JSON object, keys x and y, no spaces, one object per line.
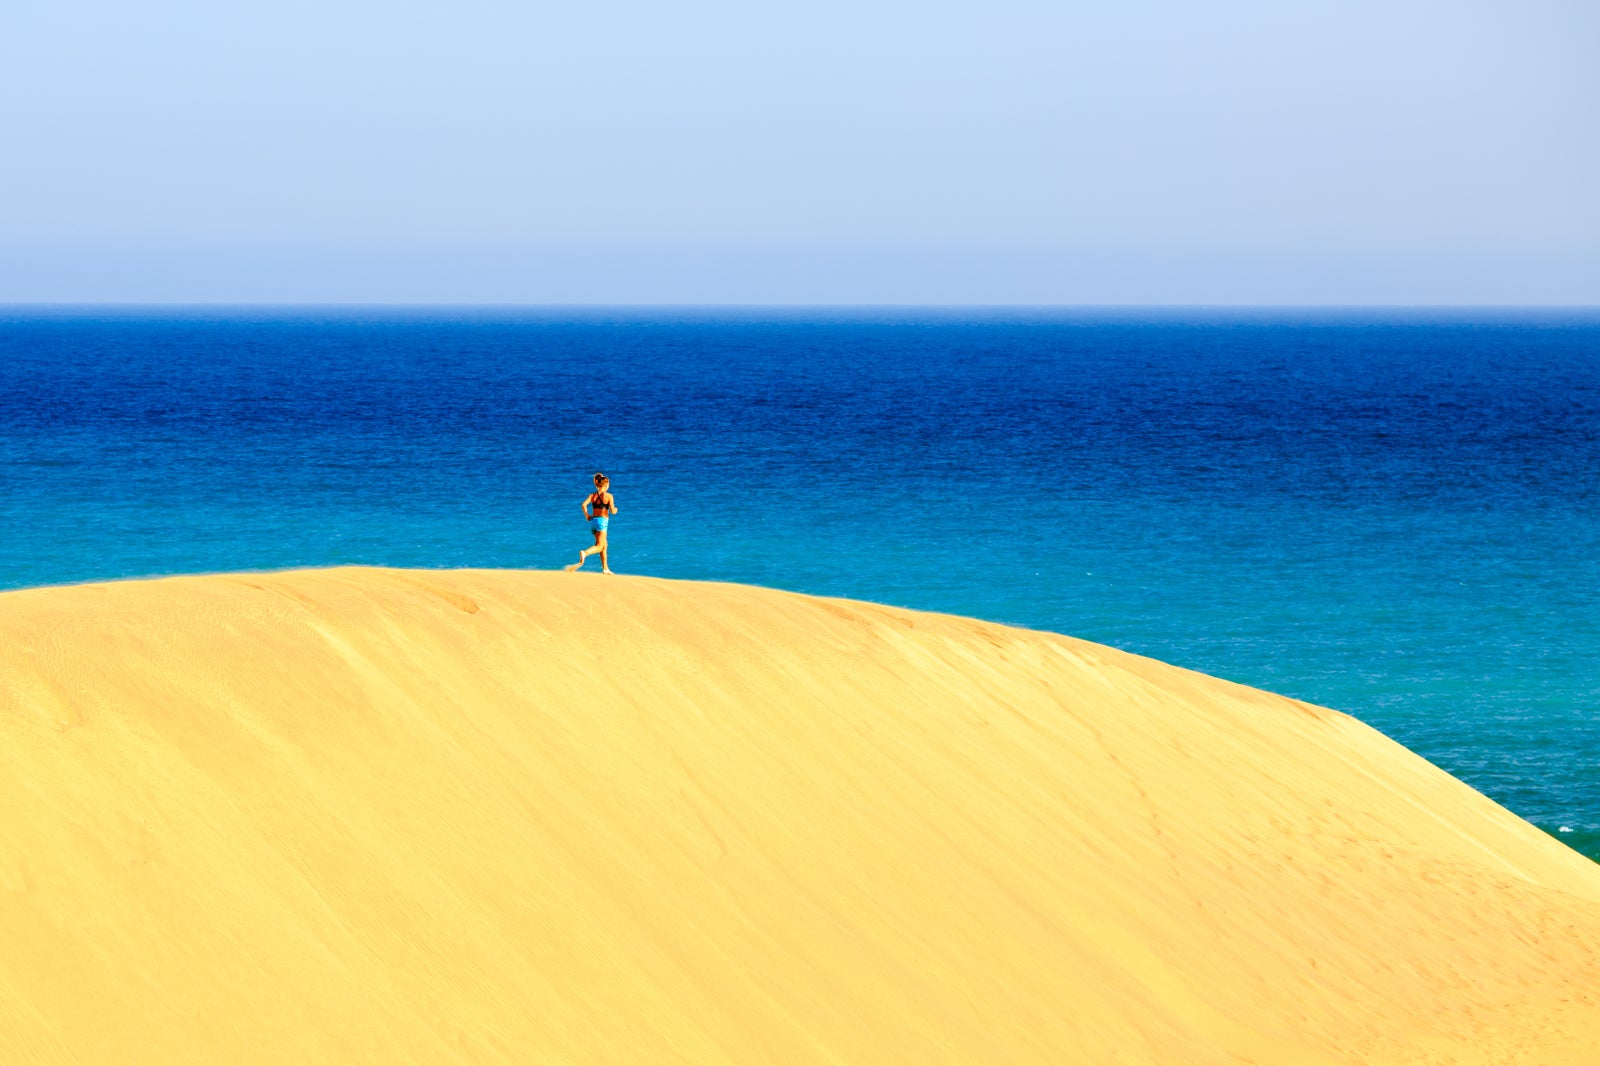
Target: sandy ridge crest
{"x":362,"y":815}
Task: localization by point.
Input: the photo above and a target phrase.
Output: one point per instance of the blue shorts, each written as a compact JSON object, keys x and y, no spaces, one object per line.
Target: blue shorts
{"x":598,"y":523}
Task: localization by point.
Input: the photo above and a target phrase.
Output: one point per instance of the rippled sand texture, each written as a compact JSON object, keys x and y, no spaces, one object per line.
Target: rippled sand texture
{"x":400,"y":816}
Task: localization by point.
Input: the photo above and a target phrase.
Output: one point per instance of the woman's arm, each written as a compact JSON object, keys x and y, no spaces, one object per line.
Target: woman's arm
{"x":612,"y":504}
{"x":585,"y":506}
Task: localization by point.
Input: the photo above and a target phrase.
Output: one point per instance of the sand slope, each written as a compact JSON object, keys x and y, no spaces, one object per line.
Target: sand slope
{"x":376,"y":816}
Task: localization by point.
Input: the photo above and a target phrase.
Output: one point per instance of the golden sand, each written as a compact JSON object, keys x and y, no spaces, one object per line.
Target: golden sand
{"x":370,"y":816}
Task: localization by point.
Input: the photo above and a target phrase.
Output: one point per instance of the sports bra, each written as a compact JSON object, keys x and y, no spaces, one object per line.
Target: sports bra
{"x":600,"y":503}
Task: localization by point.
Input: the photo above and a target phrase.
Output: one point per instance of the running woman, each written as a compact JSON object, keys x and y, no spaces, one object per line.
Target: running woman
{"x":598,"y":507}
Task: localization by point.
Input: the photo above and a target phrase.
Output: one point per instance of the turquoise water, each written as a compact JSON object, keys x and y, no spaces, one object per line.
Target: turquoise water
{"x":1388,"y":513}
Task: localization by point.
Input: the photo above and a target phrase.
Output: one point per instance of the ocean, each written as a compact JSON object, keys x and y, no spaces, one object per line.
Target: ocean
{"x":1393,"y":513}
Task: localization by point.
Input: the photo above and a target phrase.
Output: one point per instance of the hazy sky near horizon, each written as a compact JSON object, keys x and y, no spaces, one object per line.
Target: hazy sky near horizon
{"x":1150,"y":151}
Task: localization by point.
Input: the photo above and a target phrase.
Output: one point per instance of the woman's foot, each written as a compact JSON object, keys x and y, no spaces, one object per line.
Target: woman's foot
{"x":570,"y":567}
{"x":608,"y":571}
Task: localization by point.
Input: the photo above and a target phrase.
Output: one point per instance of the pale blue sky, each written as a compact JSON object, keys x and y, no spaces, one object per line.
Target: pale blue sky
{"x":1147,"y":151}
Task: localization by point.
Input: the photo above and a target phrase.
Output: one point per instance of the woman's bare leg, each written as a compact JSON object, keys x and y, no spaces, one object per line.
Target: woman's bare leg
{"x":583,"y":556}
{"x":605,"y":565}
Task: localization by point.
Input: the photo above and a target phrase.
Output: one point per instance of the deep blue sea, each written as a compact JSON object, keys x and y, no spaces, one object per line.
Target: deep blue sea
{"x":1391,"y":513}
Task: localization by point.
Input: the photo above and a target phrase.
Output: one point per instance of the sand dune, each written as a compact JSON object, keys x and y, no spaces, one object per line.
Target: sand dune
{"x":373,"y":816}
